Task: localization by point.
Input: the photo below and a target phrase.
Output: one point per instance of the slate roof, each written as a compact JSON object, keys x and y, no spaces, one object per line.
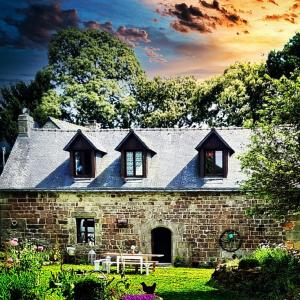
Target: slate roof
{"x":39,"y":162}
{"x":53,"y":123}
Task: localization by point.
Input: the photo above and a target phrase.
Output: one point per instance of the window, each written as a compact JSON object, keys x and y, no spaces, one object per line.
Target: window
{"x":134,"y":163}
{"x":82,"y":164}
{"x":213,"y":163}
{"x":85,"y":231}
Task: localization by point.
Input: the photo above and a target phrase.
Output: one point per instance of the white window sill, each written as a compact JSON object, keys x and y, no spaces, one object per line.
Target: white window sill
{"x":133,"y":179}
{"x":213,"y":178}
{"x":83,"y":179}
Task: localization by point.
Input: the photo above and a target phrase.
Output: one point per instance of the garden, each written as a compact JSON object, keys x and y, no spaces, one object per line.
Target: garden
{"x":30,"y":272}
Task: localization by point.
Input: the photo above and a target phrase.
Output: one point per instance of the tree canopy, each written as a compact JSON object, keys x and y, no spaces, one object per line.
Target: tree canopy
{"x":95,"y":77}
{"x":285,"y":61}
{"x":273,"y":160}
{"x":236,"y":96}
{"x":16,"y":97}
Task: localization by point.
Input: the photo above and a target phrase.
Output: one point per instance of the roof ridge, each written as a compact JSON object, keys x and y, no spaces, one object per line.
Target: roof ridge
{"x":142,"y":129}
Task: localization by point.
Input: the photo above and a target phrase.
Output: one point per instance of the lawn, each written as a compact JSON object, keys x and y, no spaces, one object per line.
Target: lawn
{"x":172,"y":283}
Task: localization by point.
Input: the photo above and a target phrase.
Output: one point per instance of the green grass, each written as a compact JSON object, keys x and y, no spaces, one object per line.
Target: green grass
{"x":172,"y":283}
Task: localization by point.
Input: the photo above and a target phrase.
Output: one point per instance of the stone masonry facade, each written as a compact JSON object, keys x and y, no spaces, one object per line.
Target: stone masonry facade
{"x":195,"y":219}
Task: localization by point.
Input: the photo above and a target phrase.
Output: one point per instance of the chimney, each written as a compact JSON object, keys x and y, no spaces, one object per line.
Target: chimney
{"x":93,"y":125}
{"x":25,"y":123}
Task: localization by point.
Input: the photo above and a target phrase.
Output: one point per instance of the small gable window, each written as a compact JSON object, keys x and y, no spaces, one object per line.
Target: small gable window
{"x":135,"y":153}
{"x":83,"y":163}
{"x":85,"y":230}
{"x":213,"y":155}
{"x":134,"y":163}
{"x":213,"y":163}
{"x":83,"y":150}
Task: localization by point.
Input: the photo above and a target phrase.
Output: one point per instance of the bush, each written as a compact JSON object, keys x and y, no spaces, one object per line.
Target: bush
{"x":248,"y":263}
{"x":277,"y":277}
{"x":89,"y":288}
{"x":20,"y":273}
{"x":179,"y":261}
{"x":19,"y":286}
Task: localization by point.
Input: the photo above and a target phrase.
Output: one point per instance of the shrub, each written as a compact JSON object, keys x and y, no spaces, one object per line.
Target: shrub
{"x":179,"y":261}
{"x":277,"y":278}
{"x":19,"y":286}
{"x":89,"y":288}
{"x":248,"y":263}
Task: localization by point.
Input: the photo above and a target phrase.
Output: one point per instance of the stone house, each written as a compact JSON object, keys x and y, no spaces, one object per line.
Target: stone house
{"x":169,"y":191}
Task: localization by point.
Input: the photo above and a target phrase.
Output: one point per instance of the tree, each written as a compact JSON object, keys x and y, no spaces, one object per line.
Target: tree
{"x":165,"y":102}
{"x":95,"y":77}
{"x":16,"y":97}
{"x":235,"y":97}
{"x":286,"y":61}
{"x":273,"y":160}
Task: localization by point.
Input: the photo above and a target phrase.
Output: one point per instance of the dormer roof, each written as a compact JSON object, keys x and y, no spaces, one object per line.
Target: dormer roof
{"x":205,"y":143}
{"x":141,"y":140}
{"x":90,"y":140}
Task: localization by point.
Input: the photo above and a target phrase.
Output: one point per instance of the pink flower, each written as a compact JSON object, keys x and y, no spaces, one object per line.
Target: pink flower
{"x":14,"y":242}
{"x":40,"y":248}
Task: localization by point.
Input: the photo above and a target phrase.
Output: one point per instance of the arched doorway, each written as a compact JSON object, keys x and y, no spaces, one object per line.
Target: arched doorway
{"x":161,"y":241}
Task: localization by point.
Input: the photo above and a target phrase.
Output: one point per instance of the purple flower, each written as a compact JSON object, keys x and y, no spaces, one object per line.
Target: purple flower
{"x":139,"y":297}
{"x":14,"y":242}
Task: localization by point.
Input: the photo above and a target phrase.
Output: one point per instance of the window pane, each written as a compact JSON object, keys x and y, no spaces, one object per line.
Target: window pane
{"x":83,"y":163}
{"x":79,"y":166}
{"x":85,"y":231}
{"x":209,"y":162}
{"x":219,"y":159}
{"x":138,"y":163}
{"x":129,"y":164}
{"x":219,"y":162}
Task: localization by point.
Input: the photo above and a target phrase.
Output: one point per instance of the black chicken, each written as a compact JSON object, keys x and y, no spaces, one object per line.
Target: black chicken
{"x":148,"y":289}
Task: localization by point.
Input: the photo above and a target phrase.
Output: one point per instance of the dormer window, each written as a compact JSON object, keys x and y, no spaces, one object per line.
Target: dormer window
{"x":134,"y":164}
{"x":135,"y":152}
{"x":83,"y":151}
{"x":213,"y":163}
{"x":83,"y":163}
{"x":213,"y":155}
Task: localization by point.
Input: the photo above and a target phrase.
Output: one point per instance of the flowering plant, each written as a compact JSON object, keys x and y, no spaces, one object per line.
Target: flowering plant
{"x":139,"y":297}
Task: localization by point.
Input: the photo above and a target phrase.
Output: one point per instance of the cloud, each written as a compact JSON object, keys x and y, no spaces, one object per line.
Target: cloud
{"x":232,"y":17}
{"x":286,"y":17}
{"x":132,"y":36}
{"x":38,"y":23}
{"x":273,"y":2}
{"x":204,"y":18}
{"x":153,"y":55}
{"x":107,"y":26}
{"x":191,"y":18}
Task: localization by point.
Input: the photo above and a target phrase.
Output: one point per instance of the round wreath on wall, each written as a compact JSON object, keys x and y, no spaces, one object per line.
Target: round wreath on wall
{"x":230,"y":240}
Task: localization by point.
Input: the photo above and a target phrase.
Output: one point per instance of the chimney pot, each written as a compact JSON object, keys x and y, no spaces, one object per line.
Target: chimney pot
{"x":25,"y":123}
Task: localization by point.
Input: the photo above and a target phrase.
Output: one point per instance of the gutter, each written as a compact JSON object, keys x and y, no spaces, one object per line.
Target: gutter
{"x":119,"y":190}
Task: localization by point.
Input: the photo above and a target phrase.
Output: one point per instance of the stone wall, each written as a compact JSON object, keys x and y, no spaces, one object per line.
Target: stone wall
{"x":196,"y":220}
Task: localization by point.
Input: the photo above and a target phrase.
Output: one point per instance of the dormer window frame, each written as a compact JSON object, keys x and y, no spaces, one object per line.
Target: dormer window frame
{"x":213,"y":142}
{"x":126,"y":175}
{"x":214,"y":173}
{"x":92,"y":167}
{"x":132,"y":142}
{"x":82,"y":143}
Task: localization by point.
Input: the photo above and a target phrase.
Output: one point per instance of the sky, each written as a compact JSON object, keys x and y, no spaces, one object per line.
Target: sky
{"x":170,"y":38}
